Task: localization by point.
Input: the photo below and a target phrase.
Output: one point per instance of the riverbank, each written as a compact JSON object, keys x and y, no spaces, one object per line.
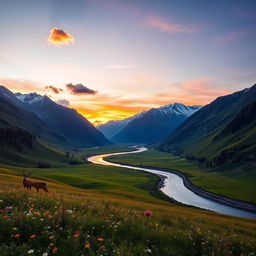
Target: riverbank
{"x":200,"y":192}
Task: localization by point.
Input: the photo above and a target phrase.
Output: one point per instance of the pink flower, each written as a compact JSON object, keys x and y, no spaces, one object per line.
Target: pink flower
{"x":8,"y":208}
{"x":148,"y":213}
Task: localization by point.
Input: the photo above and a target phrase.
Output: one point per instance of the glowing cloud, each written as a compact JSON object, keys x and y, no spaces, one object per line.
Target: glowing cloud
{"x":59,"y":36}
{"x":79,"y":89}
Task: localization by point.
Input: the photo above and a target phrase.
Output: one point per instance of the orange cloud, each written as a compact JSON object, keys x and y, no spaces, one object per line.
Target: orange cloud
{"x":59,"y":36}
{"x":163,"y":25}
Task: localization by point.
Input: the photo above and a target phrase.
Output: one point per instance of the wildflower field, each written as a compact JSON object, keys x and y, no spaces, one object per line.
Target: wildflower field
{"x":97,"y":210}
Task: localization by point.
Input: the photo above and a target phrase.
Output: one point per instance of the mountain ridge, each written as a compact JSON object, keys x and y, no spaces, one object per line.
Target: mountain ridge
{"x":208,"y":133}
{"x":76,"y":130}
{"x":148,"y":126}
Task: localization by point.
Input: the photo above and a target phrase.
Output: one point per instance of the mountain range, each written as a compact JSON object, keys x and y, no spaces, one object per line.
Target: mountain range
{"x":148,"y":126}
{"x":223,"y":131}
{"x":48,"y":121}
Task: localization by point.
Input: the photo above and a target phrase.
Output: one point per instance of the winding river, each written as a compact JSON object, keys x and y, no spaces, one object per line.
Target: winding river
{"x":173,"y":186}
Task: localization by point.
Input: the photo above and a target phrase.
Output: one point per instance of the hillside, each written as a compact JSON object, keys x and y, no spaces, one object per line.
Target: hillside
{"x":12,"y":115}
{"x":89,"y":212}
{"x":221,"y":132}
{"x":53,"y":123}
{"x":155,"y":124}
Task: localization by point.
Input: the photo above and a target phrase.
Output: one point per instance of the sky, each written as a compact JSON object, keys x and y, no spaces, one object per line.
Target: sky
{"x":111,"y":59}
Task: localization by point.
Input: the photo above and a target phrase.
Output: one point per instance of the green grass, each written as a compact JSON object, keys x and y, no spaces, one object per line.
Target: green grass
{"x":108,"y":202}
{"x":68,"y":222}
{"x":236,"y":184}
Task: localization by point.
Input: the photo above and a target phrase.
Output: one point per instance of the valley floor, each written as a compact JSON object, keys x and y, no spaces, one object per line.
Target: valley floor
{"x":98,"y":210}
{"x":230,"y":181}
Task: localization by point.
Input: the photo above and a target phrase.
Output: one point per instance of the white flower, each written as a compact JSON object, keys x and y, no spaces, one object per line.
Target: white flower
{"x":30,"y":251}
{"x":45,"y":254}
{"x":1,"y":200}
{"x":148,"y":250}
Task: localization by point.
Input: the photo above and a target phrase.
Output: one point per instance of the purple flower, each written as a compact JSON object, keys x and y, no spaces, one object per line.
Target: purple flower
{"x":8,"y":208}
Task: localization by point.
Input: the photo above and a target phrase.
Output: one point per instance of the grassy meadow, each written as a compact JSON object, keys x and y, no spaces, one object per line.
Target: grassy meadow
{"x":238,"y":184}
{"x":99,"y":210}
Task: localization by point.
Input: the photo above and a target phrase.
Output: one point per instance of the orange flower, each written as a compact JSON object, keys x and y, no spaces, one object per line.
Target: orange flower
{"x":17,"y":235}
{"x":54,"y":250}
{"x":100,"y":239}
{"x":87,"y":246}
{"x":51,"y":237}
{"x":33,"y":236}
{"x":76,"y":235}
{"x":102,"y":247}
{"x":51,"y":244}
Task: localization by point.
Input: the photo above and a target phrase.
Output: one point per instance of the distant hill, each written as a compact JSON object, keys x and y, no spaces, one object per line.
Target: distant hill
{"x":53,"y":123}
{"x":149,"y":126}
{"x":222,"y":132}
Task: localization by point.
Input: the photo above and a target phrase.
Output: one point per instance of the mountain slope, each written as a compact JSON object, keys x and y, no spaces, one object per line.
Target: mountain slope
{"x":113,"y":127}
{"x":77,"y":130}
{"x":223,"y":131}
{"x":21,"y":137}
{"x":13,"y":116}
{"x":155,"y":124}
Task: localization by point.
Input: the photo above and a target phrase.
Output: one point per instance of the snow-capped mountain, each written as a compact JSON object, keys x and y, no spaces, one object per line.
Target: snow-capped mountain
{"x":76,"y":129}
{"x":50,"y":121}
{"x":31,"y":98}
{"x":149,"y":126}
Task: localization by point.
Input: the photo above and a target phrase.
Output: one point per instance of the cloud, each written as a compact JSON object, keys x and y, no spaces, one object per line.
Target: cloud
{"x":79,"y":89}
{"x":59,"y":36}
{"x":63,"y":102}
{"x":122,"y":66}
{"x":53,"y":89}
{"x":165,"y":26}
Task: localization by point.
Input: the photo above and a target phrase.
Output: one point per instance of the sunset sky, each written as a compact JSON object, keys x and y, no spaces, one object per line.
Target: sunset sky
{"x":110,"y":59}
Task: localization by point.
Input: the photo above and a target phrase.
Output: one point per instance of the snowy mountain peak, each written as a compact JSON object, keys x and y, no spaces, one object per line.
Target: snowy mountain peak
{"x":165,"y":115}
{"x":31,"y":98}
{"x":176,"y":108}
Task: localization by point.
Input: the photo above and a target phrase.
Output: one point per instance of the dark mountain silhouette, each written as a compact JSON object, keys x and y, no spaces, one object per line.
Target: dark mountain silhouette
{"x":223,"y":131}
